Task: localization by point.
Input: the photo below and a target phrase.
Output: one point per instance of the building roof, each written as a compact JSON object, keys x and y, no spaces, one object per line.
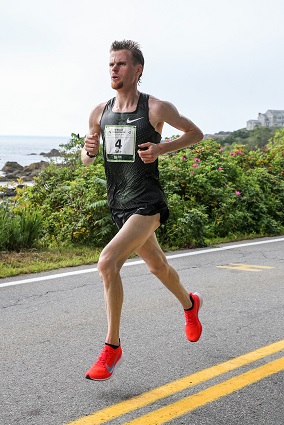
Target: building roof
{"x":275,"y":111}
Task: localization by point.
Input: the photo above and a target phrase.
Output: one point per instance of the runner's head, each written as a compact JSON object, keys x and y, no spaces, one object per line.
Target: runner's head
{"x":133,"y":48}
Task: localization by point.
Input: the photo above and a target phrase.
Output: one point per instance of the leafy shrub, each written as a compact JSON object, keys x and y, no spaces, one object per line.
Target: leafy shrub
{"x":72,"y":199}
{"x":212,"y":193}
{"x":238,"y":192}
{"x":20,"y":229}
{"x":253,"y":139}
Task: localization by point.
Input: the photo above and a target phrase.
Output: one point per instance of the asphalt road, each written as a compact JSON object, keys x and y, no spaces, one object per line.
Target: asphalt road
{"x":53,"y":327}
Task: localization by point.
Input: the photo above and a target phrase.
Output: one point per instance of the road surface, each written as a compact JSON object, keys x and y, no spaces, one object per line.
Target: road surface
{"x":53,"y":327}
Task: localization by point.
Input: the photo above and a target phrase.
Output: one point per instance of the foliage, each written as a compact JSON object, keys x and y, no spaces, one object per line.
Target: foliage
{"x":19,"y":229}
{"x":212,"y":193}
{"x":219,"y":193}
{"x":73,"y":200}
{"x":252,"y":139}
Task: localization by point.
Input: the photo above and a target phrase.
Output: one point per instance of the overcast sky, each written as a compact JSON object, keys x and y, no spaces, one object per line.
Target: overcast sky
{"x":219,"y":62}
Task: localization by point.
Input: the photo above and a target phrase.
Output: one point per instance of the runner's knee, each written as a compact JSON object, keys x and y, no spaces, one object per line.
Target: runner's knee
{"x":159,"y":266}
{"x":108,"y":265}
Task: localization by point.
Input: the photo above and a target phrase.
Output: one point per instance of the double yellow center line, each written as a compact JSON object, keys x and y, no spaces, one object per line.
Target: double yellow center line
{"x":185,"y":405}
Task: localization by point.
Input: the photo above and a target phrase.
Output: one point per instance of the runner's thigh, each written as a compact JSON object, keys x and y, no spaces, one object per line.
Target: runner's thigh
{"x":135,"y":232}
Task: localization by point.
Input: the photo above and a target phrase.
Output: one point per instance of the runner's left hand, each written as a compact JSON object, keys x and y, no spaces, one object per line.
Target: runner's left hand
{"x":148,"y":152}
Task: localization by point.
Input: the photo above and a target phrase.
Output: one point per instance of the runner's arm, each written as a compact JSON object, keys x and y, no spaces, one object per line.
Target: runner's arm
{"x":92,"y":140}
{"x":161,"y":112}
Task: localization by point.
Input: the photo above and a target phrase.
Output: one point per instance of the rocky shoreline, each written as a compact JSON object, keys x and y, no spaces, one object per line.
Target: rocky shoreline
{"x":12,"y":172}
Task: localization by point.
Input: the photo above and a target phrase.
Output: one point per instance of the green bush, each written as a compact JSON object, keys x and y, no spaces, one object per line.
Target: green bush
{"x":74,"y":206}
{"x":253,"y":139}
{"x":20,"y":229}
{"x":238,"y":192}
{"x":212,"y":193}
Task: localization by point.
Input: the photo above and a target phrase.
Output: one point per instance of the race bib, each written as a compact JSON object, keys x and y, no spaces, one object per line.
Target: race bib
{"x":120,"y":143}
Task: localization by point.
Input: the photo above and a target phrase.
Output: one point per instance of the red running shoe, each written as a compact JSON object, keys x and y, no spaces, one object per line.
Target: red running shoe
{"x":193,"y":327}
{"x":107,"y":361}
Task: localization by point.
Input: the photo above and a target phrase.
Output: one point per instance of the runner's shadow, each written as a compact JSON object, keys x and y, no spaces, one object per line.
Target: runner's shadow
{"x":116,"y":395}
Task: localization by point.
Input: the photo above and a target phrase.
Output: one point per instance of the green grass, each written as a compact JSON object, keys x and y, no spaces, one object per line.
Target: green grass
{"x":35,"y":261}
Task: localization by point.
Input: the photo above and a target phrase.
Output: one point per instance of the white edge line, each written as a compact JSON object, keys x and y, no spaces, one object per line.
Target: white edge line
{"x":136,"y":262}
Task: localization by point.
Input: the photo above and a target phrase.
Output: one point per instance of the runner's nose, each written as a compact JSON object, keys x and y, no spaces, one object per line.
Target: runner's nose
{"x":114,"y":67}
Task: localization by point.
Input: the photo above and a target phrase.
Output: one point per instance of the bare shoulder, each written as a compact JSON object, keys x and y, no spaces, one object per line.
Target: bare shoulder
{"x":95,"y":117}
{"x":161,"y":108}
{"x":97,"y":111}
{"x":158,"y":104}
{"x":161,"y":111}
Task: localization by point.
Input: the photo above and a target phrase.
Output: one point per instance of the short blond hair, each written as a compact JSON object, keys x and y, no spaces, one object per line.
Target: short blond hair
{"x":135,"y":50}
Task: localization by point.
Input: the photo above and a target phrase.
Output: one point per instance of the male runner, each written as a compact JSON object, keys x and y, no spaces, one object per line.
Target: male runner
{"x":131,"y":125}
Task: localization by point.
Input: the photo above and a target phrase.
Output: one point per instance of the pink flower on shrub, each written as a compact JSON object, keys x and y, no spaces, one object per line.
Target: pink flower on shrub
{"x":184,"y":158}
{"x":195,"y":165}
{"x":196,"y":159}
{"x":220,"y":168}
{"x":221,"y":150}
{"x":232,"y":154}
{"x":237,"y":192}
{"x":239,"y":152}
{"x":163,"y":158}
{"x":192,"y":172}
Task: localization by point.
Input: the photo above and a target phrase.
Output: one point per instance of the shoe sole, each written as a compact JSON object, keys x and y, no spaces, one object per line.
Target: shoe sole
{"x":120,"y":361}
{"x":200,"y":299}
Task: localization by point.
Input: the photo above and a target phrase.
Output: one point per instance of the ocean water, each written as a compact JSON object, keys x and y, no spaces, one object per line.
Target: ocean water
{"x":27,"y":149}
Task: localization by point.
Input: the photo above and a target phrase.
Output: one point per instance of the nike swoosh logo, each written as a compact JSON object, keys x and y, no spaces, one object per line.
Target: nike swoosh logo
{"x":111,"y":368}
{"x":128,"y":121}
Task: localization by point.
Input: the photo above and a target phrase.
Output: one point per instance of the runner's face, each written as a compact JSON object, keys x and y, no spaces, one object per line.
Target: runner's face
{"x":122,"y":71}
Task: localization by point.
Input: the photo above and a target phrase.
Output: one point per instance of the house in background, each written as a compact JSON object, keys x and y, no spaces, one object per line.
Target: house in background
{"x":271,"y":118}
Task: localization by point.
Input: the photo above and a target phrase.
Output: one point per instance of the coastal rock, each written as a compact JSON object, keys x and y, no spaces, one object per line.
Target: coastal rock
{"x":12,"y":167}
{"x":10,"y":191}
{"x":33,"y":170}
{"x":35,"y":167}
{"x":15,"y":171}
{"x":53,"y":153}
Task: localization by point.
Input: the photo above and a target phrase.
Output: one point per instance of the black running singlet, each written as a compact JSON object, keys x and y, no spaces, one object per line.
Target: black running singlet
{"x":130,"y":182}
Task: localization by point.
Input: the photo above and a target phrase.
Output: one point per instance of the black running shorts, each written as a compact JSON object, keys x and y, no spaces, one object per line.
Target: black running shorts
{"x":121,"y":216}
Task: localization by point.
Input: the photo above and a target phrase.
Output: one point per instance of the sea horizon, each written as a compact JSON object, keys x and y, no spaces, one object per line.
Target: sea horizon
{"x":26,"y":150}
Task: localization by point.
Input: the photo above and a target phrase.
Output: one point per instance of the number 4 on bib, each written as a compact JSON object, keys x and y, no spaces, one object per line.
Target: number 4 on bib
{"x":120,"y":143}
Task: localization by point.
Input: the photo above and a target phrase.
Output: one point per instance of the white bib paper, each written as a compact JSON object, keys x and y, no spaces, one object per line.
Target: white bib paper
{"x":120,"y":143}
